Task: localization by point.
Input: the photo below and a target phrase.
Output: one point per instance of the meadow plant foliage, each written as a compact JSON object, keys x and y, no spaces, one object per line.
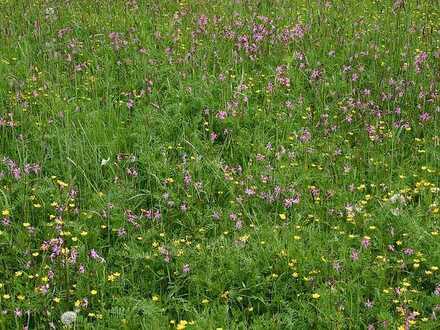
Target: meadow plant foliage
{"x":219,"y":164}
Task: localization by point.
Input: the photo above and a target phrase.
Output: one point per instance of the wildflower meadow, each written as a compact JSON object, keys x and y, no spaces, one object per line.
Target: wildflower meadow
{"x":219,"y":164}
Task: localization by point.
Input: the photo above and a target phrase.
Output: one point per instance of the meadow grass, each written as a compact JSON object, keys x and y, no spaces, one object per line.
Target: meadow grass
{"x":219,"y":164}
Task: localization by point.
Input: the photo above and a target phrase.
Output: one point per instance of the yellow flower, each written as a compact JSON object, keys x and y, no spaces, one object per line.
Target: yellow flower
{"x":93,"y":292}
{"x":282,"y":216}
{"x":62,"y":184}
{"x":316,"y":296}
{"x":181,"y":325}
{"x":5,"y":213}
{"x":155,"y":298}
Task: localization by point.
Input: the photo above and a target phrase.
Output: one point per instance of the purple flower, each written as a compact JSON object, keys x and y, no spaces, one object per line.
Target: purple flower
{"x":368,"y":304}
{"x":132,"y":172}
{"x":186,"y":269}
{"x":16,"y":173}
{"x":420,"y":59}
{"x":157,"y":215}
{"x":222,"y":115}
{"x":130,"y":104}
{"x":305,"y":135}
{"x":288,"y":202}
{"x":424,"y":117}
{"x":202,"y":22}
{"x":95,"y":256}
{"x":73,"y":256}
{"x":365,"y":243}
{"x":213,"y":136}
{"x":316,"y":74}
{"x":249,"y":192}
{"x":298,"y":31}
{"x":18,"y":312}
{"x":354,"y":255}
{"x":117,"y":40}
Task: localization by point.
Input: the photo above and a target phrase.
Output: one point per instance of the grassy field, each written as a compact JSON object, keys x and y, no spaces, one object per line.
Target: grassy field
{"x":219,"y":164}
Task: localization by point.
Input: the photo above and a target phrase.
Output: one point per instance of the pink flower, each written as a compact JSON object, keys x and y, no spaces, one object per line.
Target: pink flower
{"x":186,"y":269}
{"x":213,"y":136}
{"x":420,"y":59}
{"x":222,"y":115}
{"x":305,"y":136}
{"x":354,"y":255}
{"x":424,"y":117}
{"x":288,"y":202}
{"x":95,"y":256}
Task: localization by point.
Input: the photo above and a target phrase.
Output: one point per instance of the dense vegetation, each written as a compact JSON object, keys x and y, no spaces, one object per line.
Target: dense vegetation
{"x":219,"y":164}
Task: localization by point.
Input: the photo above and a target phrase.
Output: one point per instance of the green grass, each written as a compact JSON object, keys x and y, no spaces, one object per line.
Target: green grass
{"x":234,"y":164}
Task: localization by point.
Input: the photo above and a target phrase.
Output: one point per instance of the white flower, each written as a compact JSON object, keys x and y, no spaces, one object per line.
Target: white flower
{"x":49,"y":11}
{"x":397,"y":198}
{"x":105,"y":161}
{"x":395,"y":211}
{"x":68,"y":318}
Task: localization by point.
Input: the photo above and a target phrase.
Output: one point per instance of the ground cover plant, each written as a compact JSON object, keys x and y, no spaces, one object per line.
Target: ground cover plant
{"x":219,"y":164}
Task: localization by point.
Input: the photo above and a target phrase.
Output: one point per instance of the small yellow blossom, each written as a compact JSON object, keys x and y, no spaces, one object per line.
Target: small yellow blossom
{"x":181,"y":325}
